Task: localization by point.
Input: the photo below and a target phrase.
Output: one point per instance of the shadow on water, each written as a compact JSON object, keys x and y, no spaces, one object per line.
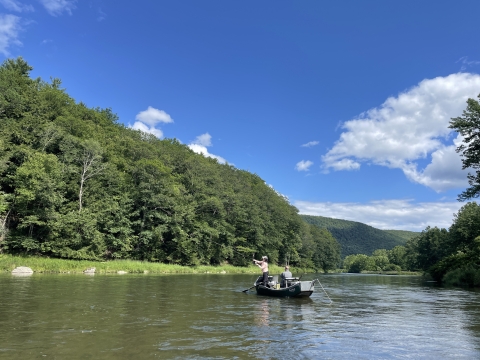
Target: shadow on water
{"x":208,"y":316}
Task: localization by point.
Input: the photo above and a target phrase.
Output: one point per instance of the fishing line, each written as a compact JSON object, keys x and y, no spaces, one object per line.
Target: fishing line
{"x":236,"y":251}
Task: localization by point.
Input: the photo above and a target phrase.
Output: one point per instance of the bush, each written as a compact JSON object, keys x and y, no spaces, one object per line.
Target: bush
{"x":359,"y":263}
{"x":392,"y":267}
{"x":466,"y":276}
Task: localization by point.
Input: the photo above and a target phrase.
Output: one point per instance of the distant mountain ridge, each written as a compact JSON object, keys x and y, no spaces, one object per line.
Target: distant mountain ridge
{"x":358,"y":238}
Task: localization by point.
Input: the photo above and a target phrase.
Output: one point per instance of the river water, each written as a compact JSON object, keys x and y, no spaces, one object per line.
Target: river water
{"x":208,"y":317}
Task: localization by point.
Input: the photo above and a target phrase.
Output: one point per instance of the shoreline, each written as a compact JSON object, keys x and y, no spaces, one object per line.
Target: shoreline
{"x":45,"y":265}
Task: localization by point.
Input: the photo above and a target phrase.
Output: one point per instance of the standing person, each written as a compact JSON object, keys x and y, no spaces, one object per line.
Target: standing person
{"x":263,"y":264}
{"x":286,"y":274}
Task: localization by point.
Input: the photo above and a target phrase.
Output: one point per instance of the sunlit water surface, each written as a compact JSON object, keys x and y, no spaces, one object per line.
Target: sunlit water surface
{"x":208,"y":317}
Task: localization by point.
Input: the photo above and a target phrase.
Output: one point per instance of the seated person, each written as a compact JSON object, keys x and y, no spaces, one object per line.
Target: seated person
{"x":286,"y":274}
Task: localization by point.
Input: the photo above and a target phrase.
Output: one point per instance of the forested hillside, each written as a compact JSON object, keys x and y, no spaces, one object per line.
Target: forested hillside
{"x":405,"y":235}
{"x":75,"y":183}
{"x":358,"y":238}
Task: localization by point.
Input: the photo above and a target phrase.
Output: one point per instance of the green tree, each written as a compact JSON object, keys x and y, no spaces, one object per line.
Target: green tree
{"x":397,"y":256}
{"x":465,"y":228}
{"x":426,"y":249}
{"x":39,"y":193}
{"x":326,"y":254}
{"x":380,"y":259}
{"x":358,"y":263}
{"x":468,"y":125}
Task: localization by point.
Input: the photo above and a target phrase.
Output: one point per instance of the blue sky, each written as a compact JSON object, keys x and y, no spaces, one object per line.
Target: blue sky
{"x":342,"y":106}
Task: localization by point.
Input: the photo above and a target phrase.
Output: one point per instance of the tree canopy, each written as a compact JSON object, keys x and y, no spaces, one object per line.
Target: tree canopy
{"x":468,"y":125}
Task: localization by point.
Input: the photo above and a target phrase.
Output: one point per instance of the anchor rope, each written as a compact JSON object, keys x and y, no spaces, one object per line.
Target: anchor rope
{"x":324,"y":290}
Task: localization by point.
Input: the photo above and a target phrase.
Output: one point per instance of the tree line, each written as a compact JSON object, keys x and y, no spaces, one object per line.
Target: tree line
{"x":75,"y":183}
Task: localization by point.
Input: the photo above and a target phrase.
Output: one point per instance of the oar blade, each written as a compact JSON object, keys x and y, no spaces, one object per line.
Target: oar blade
{"x":244,"y":291}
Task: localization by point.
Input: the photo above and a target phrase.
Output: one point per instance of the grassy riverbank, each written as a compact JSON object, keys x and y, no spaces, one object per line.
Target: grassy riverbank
{"x":416,"y":273}
{"x":59,"y":266}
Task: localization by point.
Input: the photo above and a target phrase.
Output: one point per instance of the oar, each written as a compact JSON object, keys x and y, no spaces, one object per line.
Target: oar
{"x":248,"y":289}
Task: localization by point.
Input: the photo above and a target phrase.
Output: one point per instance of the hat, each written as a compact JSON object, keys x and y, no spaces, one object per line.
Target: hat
{"x":287,"y":267}
{"x":264,"y":257}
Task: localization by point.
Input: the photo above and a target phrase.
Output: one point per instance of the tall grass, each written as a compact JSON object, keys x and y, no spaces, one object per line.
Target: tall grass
{"x":49,"y":265}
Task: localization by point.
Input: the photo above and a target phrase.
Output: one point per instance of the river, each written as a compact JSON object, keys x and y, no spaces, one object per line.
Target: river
{"x":208,"y":317}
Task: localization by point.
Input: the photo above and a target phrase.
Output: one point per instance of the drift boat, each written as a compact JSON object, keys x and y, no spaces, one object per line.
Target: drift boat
{"x":294,"y":287}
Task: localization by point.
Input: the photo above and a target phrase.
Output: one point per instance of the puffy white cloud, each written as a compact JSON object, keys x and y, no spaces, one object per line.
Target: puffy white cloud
{"x":386,"y":214}
{"x":311,"y":143}
{"x":409,"y":127}
{"x":15,"y":5}
{"x":444,"y":172}
{"x":303,"y":165}
{"x":199,"y":145}
{"x":203,"y":140}
{"x":148,"y":119}
{"x":9,"y":31}
{"x":57,"y":7}
{"x":147,"y":129}
{"x":153,"y":116}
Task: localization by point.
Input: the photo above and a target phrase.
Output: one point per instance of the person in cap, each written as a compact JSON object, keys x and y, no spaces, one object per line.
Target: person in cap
{"x":263,"y":264}
{"x":284,"y":275}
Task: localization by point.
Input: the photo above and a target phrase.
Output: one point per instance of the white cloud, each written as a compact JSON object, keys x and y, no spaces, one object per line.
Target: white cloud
{"x":148,"y":119}
{"x":204,"y":140}
{"x":409,"y":127}
{"x":153,"y":116}
{"x":303,"y":165}
{"x":444,"y":172}
{"x":14,"y":5}
{"x":387,"y":214}
{"x":57,"y":7}
{"x":147,"y":129}
{"x":345,"y":164}
{"x":199,"y":146}
{"x":9,"y":29}
{"x":311,"y":143}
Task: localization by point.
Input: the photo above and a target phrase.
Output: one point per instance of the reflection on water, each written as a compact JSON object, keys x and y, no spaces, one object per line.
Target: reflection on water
{"x":262,"y":318}
{"x":208,"y":316}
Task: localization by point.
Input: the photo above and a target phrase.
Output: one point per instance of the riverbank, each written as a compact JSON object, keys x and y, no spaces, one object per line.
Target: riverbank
{"x":416,"y":273}
{"x":64,"y":266}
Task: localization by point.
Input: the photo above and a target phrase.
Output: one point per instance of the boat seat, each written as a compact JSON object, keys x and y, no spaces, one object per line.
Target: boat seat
{"x":290,"y":281}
